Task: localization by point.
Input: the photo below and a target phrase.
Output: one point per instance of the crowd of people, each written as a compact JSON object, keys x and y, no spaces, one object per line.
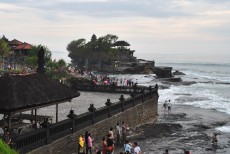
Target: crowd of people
{"x":114,"y":138}
{"x":105,"y":80}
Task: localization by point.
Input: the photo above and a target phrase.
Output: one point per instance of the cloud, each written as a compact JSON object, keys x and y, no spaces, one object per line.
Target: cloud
{"x":149,"y":25}
{"x":105,"y":8}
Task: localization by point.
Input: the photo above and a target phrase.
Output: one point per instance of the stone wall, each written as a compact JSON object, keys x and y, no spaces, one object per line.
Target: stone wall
{"x":136,"y":116}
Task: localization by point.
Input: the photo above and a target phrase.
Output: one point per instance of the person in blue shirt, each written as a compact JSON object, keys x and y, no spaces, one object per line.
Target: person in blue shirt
{"x":127,"y":147}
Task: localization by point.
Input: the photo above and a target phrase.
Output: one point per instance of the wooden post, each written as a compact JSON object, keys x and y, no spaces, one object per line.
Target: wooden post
{"x":35,"y":119}
{"x":56,"y":113}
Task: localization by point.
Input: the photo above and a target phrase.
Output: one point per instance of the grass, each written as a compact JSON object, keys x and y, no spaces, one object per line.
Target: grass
{"x":5,"y":149}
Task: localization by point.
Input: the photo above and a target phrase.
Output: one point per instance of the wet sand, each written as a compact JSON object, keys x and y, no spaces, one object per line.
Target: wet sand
{"x":186,"y":127}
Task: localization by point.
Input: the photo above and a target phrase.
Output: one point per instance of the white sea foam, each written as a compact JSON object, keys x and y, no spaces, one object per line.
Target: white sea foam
{"x":208,"y":95}
{"x":225,"y":129}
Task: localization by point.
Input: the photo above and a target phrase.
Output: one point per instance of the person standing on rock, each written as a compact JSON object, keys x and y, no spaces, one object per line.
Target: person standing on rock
{"x":166,"y":151}
{"x":214,"y":139}
{"x":165,"y":105}
{"x":136,"y":148}
{"x":169,"y":107}
{"x":103,"y":145}
{"x":118,"y":133}
{"x":123,"y":130}
{"x":111,"y":132}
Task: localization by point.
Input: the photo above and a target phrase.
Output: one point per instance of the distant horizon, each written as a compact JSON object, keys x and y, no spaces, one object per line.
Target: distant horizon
{"x":167,"y":57}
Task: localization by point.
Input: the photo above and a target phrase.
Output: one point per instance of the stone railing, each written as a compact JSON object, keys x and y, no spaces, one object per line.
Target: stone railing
{"x":49,"y":133}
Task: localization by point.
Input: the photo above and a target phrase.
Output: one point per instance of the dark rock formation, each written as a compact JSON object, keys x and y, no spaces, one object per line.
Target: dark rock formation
{"x":178,"y":73}
{"x":163,"y":72}
{"x":173,"y":79}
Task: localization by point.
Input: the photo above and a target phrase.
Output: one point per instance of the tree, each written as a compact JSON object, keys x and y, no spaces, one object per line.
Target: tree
{"x":4,"y":49}
{"x":31,"y":61}
{"x":36,"y":48}
{"x":61,"y":63}
{"x":75,"y":45}
{"x":95,"y":51}
{"x":92,"y":45}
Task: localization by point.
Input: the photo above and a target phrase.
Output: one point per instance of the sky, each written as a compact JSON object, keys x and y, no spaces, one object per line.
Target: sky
{"x":152,"y":27}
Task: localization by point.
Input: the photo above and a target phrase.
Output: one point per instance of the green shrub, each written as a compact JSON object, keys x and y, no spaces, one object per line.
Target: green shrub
{"x":5,"y":149}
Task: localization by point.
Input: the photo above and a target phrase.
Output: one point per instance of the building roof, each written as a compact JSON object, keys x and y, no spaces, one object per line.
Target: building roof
{"x":15,"y":42}
{"x":23,"y":46}
{"x":121,"y":43}
{"x":19,"y":93}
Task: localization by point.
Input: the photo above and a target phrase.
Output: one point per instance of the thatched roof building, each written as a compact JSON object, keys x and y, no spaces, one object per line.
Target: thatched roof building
{"x":19,"y":93}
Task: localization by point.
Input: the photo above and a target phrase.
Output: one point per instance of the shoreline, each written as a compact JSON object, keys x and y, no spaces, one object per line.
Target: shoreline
{"x":187,"y":127}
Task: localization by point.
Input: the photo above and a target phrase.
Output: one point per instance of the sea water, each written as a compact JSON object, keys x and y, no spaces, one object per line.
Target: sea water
{"x":210,"y":91}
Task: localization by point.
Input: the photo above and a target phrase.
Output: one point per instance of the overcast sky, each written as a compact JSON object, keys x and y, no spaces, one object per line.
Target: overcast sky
{"x":150,"y":26}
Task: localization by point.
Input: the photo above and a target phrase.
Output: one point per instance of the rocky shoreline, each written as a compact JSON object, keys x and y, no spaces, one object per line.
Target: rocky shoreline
{"x":187,"y":127}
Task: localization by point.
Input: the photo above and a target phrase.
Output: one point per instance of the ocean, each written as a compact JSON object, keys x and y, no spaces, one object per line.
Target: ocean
{"x":210,"y":92}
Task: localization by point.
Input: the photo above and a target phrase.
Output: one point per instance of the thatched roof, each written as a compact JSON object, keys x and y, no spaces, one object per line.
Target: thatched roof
{"x":23,"y":92}
{"x":121,"y":43}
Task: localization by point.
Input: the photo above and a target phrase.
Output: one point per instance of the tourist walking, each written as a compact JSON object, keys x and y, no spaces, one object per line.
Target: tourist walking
{"x":111,"y":132}
{"x":118,"y":133}
{"x":214,"y":139}
{"x":90,"y":143}
{"x":166,"y":151}
{"x":81,"y":145}
{"x":110,"y":145}
{"x":127,"y":147}
{"x":165,"y":105}
{"x":124,"y":131}
{"x":103,"y":145}
{"x":136,"y":148}
{"x":169,"y":107}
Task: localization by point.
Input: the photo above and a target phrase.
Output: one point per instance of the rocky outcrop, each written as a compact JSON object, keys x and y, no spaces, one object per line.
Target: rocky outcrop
{"x":163,"y":72}
{"x":178,"y":73}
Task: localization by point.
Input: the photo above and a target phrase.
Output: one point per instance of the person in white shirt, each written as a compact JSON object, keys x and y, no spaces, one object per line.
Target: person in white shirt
{"x":136,"y":148}
{"x":118,"y":133}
